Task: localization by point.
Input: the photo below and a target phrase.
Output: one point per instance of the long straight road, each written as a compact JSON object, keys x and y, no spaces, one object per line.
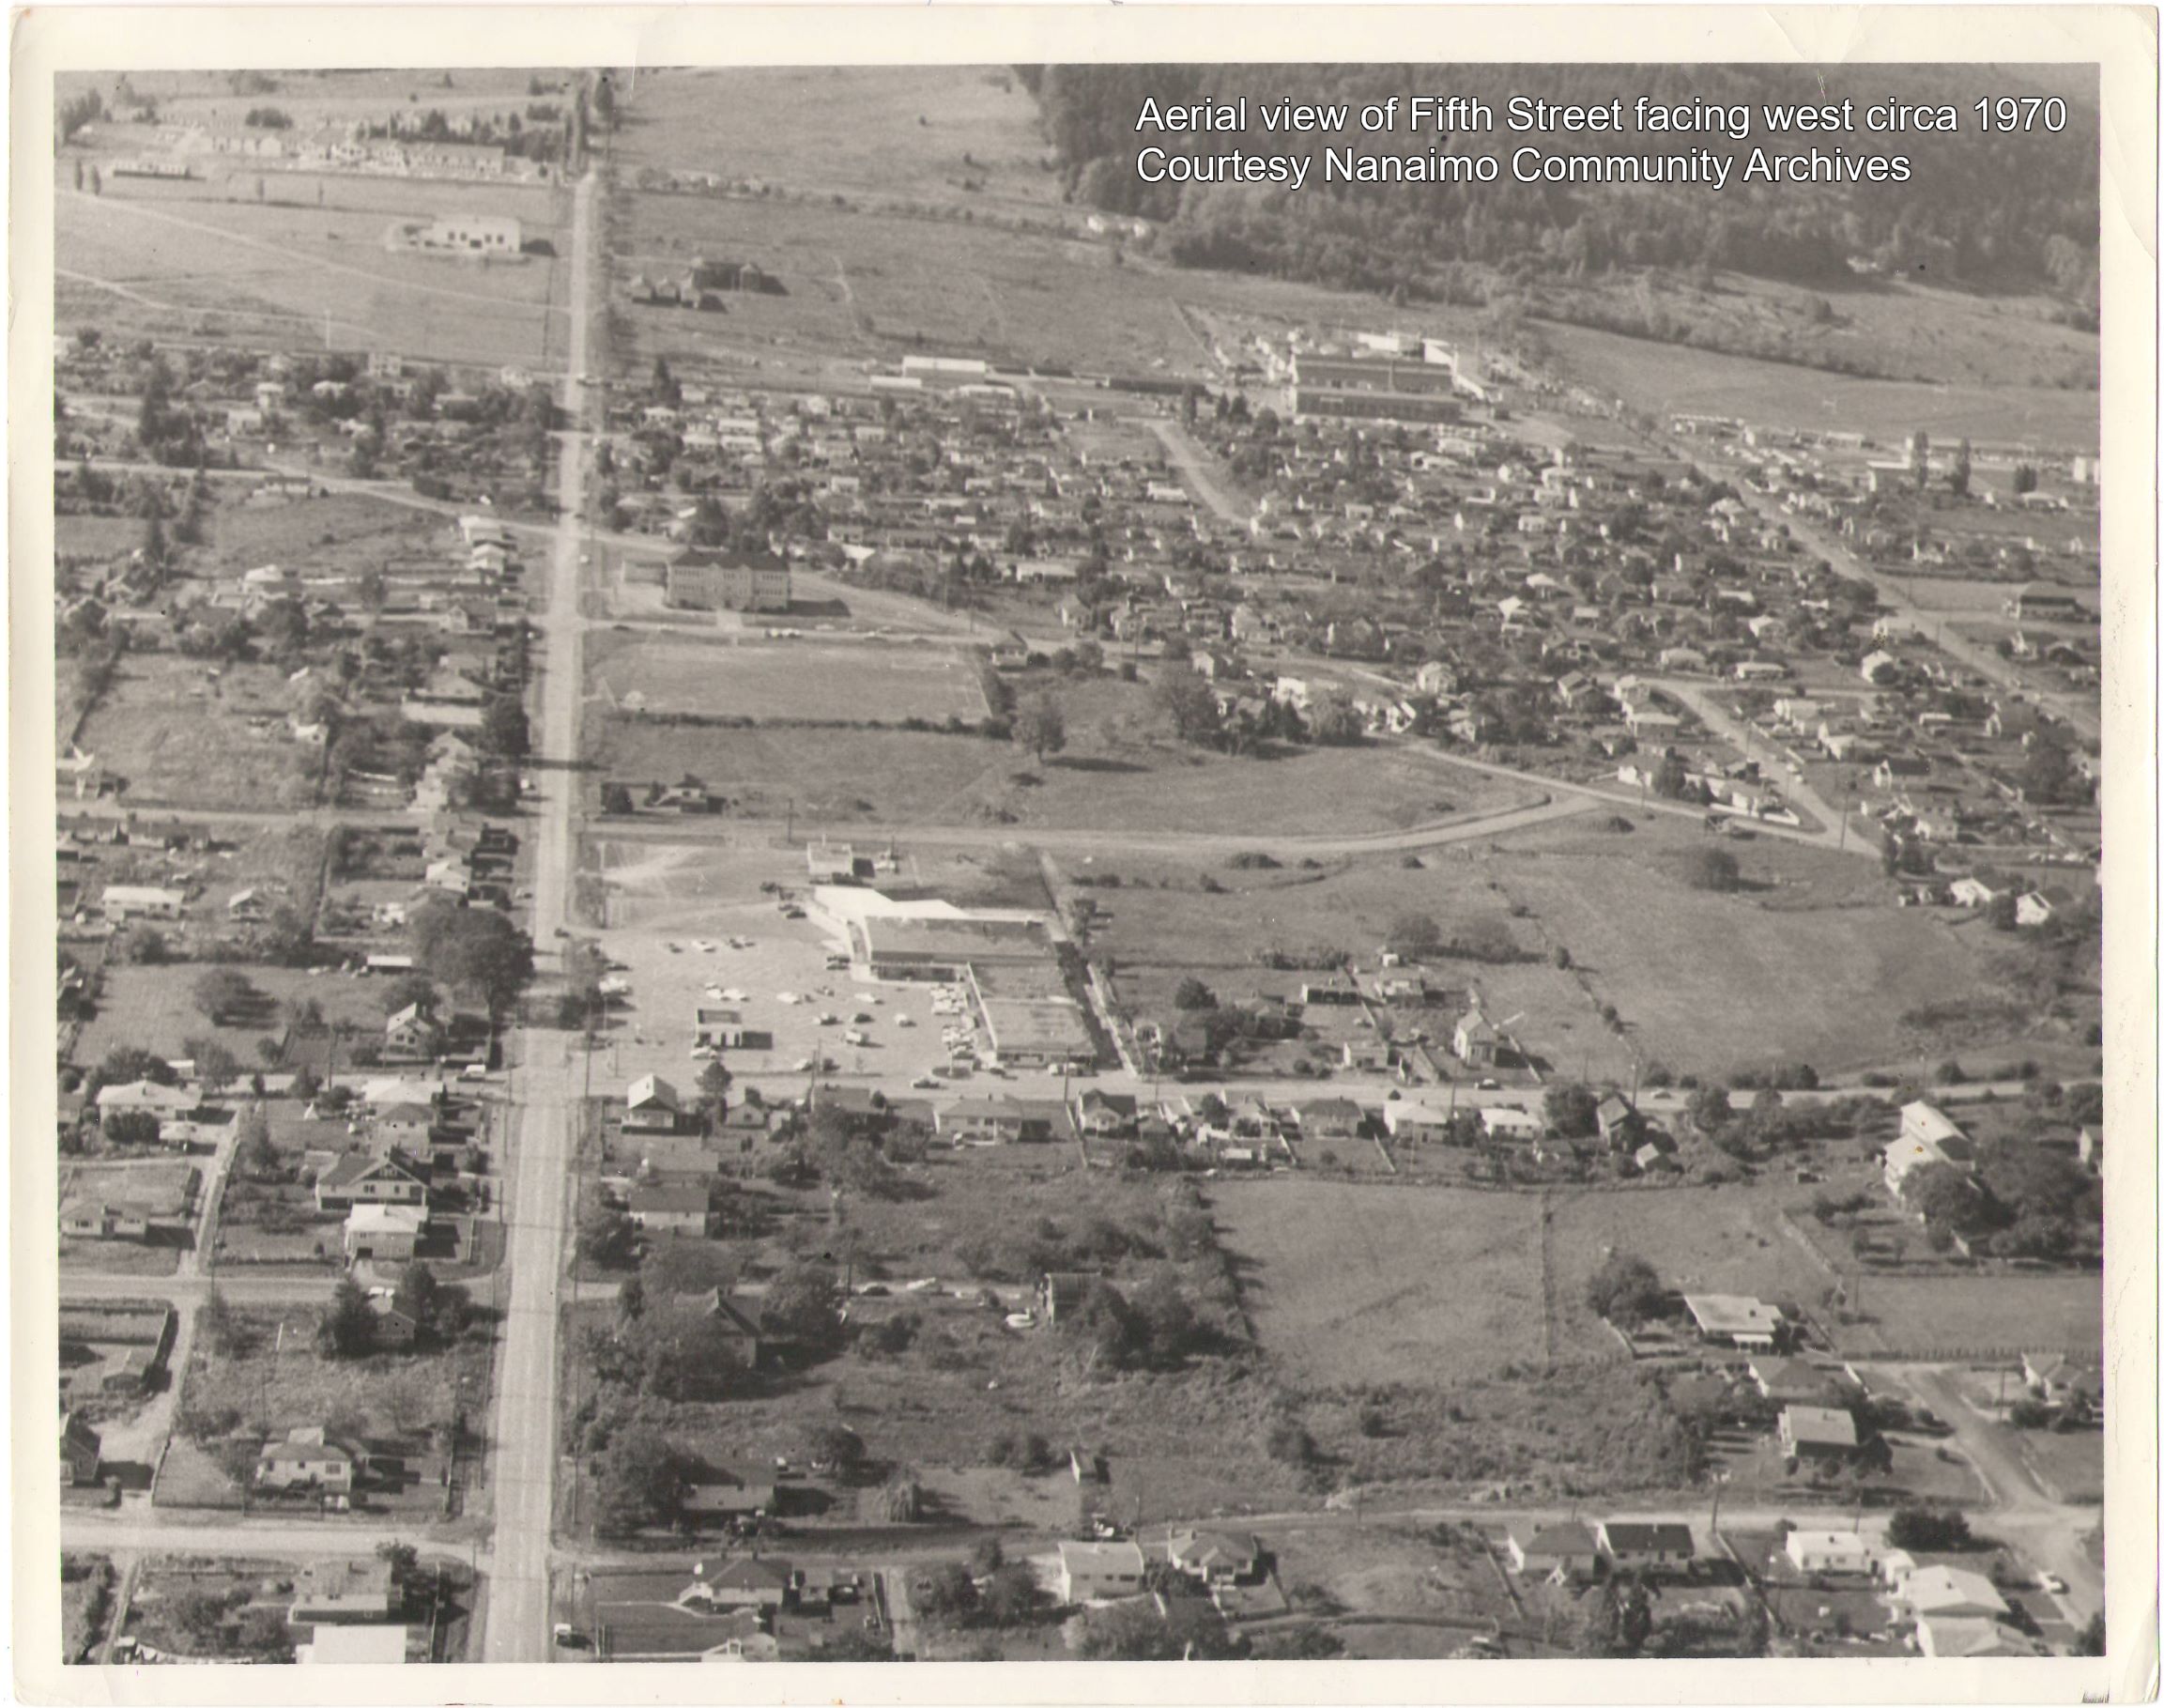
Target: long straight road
{"x":541,"y":1152}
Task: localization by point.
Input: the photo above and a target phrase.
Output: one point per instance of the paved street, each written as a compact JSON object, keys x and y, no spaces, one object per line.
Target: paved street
{"x":543,"y":1088}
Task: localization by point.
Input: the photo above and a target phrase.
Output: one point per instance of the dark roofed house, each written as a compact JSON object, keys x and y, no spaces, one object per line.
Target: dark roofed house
{"x":1629,"y":1543}
{"x":742,"y":1325}
{"x":749,"y":1582}
{"x":722,"y":1493}
{"x":670,"y":1210}
{"x":80,"y":1453}
{"x":1332,"y":1118}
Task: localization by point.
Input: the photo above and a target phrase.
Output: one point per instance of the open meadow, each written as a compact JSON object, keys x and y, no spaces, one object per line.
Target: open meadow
{"x":1812,"y":966}
{"x":1990,"y":392}
{"x":303,"y":262}
{"x":788,"y":680}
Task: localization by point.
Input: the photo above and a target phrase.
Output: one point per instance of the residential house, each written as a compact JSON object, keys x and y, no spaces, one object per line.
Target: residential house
{"x":389,"y":1177}
{"x":1951,"y":1591}
{"x":1216,"y":1556}
{"x":741,"y":1327}
{"x":393,"y":1327}
{"x":652,"y":1105}
{"x":1630,"y":1544}
{"x":1473,"y":1040}
{"x":726,"y":1494}
{"x":126,"y":901}
{"x":346,"y":1592}
{"x":1099,"y":1571}
{"x":753,"y":1581}
{"x":1822,"y":1434}
{"x":1792,"y":1381}
{"x":2061,"y":1381}
{"x":1619,"y":1122}
{"x":670,"y":1210}
{"x":1105,"y":1113}
{"x":384,"y":1233}
{"x":1848,"y":1553}
{"x":1926,"y":1136}
{"x":412,"y":1032}
{"x":308,"y":1459}
{"x":1736,"y":1320}
{"x":81,"y":1453}
{"x":1003,"y":1121}
{"x":1558,"y":1551}
{"x":1332,"y":1118}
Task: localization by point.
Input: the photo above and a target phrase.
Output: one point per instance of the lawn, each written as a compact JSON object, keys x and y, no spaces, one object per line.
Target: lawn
{"x":154,"y":1007}
{"x":791,"y":680}
{"x":1925,"y":1315}
{"x":341,"y":533}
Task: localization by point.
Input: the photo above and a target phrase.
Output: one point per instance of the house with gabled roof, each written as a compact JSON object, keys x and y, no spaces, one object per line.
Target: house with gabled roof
{"x":652,"y":1104}
{"x":1560,"y":1550}
{"x":389,"y":1177}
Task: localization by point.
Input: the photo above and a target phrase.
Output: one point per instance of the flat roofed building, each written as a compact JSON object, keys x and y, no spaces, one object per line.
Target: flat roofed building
{"x":1740,"y":1321}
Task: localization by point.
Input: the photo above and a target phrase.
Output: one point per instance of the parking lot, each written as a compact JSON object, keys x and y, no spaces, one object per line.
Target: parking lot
{"x":690,"y":927}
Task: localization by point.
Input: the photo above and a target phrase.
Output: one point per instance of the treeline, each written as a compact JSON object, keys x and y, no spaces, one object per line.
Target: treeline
{"x":1996,"y":209}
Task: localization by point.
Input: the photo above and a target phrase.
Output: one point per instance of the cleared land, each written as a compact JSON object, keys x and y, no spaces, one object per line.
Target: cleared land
{"x":1351,"y":1284}
{"x":207,"y":258}
{"x":182,"y":737}
{"x":791,"y":680}
{"x":1673,"y":378}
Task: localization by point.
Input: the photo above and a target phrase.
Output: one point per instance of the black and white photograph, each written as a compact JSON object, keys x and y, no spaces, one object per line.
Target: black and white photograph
{"x":1104,"y":858}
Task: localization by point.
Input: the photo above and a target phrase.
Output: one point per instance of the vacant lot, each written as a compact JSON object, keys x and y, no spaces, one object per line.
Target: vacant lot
{"x":1812,"y":966}
{"x":2002,"y":367}
{"x":320,"y":537}
{"x":179,"y":736}
{"x":155,"y":1008}
{"x":860,"y":681}
{"x":1350,"y":1283}
{"x":1922,"y":1314}
{"x":219,"y":257}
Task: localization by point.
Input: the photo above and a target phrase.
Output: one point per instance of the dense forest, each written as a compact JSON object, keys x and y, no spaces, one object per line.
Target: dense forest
{"x":1981,"y":210}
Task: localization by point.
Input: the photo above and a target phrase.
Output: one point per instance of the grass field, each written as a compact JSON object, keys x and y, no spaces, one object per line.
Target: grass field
{"x":180,"y":739}
{"x":791,"y":680}
{"x":1957,"y":334}
{"x":1127,"y":783}
{"x":1814,"y":967}
{"x":1923,"y":1313}
{"x":153,"y":1006}
{"x":1350,"y":1283}
{"x":305,"y":261}
{"x":343,"y":532}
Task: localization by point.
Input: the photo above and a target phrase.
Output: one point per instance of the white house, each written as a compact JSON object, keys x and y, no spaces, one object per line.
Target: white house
{"x":1099,"y":1571}
{"x":123,"y":901}
{"x":1841,"y":1551}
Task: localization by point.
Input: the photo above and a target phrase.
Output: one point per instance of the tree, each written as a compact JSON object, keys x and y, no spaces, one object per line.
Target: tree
{"x":641,"y":1481}
{"x":1947,"y":1197}
{"x":2003,"y":912}
{"x":1040,"y":725}
{"x":1624,"y":1291}
{"x":1709,"y":1108}
{"x":477,"y":951}
{"x":1926,"y":1528}
{"x":222,"y":991}
{"x":1187,"y":701}
{"x":901,"y":1500}
{"x":503,"y":727}
{"x":607,"y":1237}
{"x":2090,"y":1640}
{"x":1414,"y":936}
{"x":1571,"y":1110}
{"x":1712,"y":868}
{"x":838,"y":1445}
{"x":129,"y":1126}
{"x":713,"y":1082}
{"x":802,"y":1305}
{"x":253,"y":1154}
{"x":1333,"y":720}
{"x":1193,"y":994}
{"x":1009,"y":1594}
{"x":945,"y":1593}
{"x":216,"y":1067}
{"x":348,"y":1325}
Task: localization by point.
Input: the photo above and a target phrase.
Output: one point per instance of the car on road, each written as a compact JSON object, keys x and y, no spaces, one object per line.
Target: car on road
{"x":925,"y":1082}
